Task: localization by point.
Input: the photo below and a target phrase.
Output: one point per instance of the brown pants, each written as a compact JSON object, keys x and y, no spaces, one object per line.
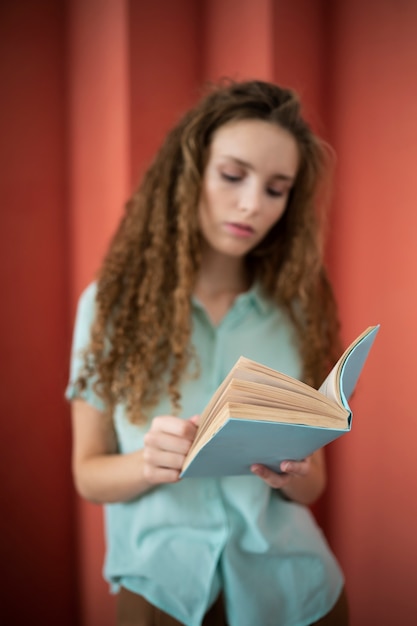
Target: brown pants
{"x":133,"y":610}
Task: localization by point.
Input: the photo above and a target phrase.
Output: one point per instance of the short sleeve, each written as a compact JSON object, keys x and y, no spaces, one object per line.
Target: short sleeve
{"x":81,"y":337}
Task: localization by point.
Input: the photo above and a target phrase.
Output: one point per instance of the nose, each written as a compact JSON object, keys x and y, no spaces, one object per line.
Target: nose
{"x":250,"y":199}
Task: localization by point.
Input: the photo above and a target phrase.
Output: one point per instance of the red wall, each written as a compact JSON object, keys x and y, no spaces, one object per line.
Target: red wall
{"x":37,"y":501}
{"x":372,"y":499}
{"x":89,"y":87}
{"x":164,"y":72}
{"x":237,"y":39}
{"x":98,"y":169}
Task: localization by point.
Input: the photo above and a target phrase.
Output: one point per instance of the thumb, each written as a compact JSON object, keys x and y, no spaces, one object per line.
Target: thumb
{"x":194,"y":419}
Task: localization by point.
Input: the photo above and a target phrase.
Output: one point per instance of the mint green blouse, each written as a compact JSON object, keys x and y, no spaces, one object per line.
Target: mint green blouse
{"x":180,"y":544}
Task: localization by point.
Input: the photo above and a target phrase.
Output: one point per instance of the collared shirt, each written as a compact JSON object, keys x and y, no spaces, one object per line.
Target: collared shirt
{"x":180,"y":544}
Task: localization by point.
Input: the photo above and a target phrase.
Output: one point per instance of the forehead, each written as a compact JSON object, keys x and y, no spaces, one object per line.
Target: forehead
{"x":256,"y":142}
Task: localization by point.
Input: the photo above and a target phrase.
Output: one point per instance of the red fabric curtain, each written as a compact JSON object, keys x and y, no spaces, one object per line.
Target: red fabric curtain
{"x":89,"y":88}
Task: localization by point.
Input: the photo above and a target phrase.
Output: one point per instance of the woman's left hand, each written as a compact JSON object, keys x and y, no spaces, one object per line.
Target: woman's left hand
{"x":301,"y":481}
{"x":289,"y":469}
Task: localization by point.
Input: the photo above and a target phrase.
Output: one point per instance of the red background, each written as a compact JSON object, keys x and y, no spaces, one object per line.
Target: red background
{"x":88,"y":89}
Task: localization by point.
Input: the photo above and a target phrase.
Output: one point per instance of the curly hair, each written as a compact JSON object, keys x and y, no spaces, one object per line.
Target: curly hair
{"x":140,"y":340}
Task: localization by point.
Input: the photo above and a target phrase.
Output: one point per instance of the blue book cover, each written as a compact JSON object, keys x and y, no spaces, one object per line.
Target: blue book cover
{"x":258,"y":415}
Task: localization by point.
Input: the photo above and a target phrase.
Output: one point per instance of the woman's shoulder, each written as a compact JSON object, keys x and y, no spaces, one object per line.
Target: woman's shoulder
{"x":86,"y":306}
{"x":87,"y":297}
{"x":88,"y":294}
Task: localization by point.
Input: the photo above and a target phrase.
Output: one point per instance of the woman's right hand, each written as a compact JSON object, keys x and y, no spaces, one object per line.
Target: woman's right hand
{"x":102,"y":474}
{"x":165,"y":447}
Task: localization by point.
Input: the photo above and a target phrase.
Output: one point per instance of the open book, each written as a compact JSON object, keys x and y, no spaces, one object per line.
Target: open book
{"x":259,"y":415}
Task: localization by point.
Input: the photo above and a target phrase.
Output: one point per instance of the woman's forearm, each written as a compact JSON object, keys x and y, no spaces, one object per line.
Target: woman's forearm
{"x":111,"y":477}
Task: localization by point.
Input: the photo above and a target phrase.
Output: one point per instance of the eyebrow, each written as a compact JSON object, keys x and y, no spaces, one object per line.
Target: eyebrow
{"x":283,"y":177}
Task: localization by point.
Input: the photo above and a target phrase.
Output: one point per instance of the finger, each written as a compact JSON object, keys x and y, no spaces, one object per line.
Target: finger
{"x":166,"y":442}
{"x":295,"y":468}
{"x":274,"y":480}
{"x":174,"y":425}
{"x":162,"y":459}
{"x":160,"y":475}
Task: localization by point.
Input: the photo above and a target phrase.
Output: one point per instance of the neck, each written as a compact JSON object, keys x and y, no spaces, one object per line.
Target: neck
{"x":221,"y":274}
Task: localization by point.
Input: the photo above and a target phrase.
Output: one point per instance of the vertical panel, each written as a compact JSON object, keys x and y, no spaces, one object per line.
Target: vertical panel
{"x":374,"y":516}
{"x":99,"y":182}
{"x":300,"y":55}
{"x":36,"y":511}
{"x":238,"y":39}
{"x":98,"y":128}
{"x":165,"y":71}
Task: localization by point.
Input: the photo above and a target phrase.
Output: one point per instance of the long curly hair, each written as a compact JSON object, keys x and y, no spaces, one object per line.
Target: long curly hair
{"x":140,"y":340}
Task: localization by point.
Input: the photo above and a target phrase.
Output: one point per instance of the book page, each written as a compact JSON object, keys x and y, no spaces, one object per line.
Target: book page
{"x":259,"y":394}
{"x":329,"y":387}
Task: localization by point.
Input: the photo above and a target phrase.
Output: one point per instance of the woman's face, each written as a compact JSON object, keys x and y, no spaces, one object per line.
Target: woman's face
{"x":251,"y":167}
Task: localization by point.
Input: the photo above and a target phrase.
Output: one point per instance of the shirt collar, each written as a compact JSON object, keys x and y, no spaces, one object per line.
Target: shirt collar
{"x":259,"y":298}
{"x":255,"y":295}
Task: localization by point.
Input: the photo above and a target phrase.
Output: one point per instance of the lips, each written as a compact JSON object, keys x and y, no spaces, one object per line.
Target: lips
{"x":239,"y":230}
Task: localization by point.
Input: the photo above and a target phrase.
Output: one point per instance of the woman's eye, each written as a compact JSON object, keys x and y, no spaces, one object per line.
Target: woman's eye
{"x":231,"y":178}
{"x":275,"y":193}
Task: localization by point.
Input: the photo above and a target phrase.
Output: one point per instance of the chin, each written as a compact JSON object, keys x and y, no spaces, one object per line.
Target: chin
{"x":236,"y":252}
{"x":232,"y":248}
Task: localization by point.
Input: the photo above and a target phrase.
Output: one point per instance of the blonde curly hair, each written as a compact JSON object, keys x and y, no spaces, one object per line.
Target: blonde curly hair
{"x":140,"y":341}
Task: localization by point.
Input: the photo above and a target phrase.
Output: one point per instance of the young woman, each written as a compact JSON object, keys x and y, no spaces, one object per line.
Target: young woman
{"x":218,"y":255}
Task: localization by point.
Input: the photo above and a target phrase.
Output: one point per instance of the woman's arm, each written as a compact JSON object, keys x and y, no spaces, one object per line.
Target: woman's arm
{"x":303,"y":481}
{"x":102,"y":475}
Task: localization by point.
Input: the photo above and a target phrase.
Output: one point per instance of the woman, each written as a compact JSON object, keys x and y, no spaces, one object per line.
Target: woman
{"x":218,"y":254}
